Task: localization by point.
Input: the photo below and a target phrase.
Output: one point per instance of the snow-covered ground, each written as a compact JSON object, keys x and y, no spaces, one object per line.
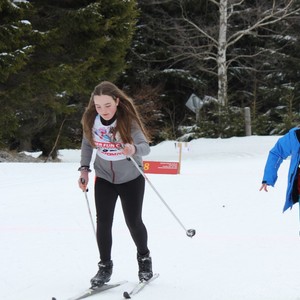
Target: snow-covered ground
{"x":244,"y":248}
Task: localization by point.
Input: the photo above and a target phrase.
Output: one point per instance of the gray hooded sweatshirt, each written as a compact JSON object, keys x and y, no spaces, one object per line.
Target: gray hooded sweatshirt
{"x":110,"y":164}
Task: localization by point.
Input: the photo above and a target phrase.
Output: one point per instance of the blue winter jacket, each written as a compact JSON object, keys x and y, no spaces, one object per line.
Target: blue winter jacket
{"x":287,"y":145}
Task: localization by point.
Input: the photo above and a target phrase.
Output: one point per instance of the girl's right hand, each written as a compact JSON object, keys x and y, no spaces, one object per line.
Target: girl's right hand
{"x":83,"y":180}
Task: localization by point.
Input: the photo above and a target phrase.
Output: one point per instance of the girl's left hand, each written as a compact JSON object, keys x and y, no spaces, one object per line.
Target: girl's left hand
{"x":128,"y":150}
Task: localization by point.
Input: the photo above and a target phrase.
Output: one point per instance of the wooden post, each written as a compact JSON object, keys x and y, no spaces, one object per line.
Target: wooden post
{"x":180,"y":155}
{"x":247,"y":121}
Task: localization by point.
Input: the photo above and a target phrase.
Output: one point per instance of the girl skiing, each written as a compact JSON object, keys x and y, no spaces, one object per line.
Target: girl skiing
{"x":112,"y":125}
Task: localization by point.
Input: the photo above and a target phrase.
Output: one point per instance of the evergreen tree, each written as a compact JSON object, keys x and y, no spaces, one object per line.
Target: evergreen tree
{"x":15,"y":50}
{"x":82,"y":42}
{"x":271,"y":66}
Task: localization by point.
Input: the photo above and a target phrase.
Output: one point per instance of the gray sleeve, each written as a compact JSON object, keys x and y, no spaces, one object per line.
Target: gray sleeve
{"x":86,"y":152}
{"x":141,"y":144}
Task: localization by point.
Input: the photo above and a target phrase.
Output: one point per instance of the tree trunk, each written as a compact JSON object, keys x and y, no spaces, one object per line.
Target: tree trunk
{"x":221,"y":59}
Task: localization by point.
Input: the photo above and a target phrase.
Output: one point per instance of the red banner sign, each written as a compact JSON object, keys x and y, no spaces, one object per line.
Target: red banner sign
{"x":160,"y":167}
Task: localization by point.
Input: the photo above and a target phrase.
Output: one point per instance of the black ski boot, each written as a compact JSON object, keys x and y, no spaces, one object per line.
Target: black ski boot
{"x":145,"y":267}
{"x":103,"y":275}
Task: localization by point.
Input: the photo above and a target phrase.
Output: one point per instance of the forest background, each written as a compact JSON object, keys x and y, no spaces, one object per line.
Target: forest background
{"x":230,"y":54}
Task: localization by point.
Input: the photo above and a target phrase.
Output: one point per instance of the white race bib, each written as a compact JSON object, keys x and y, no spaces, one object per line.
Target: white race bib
{"x":107,"y":147}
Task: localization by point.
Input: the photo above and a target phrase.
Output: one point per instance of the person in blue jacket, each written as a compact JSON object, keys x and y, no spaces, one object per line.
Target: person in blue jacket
{"x":287,"y":145}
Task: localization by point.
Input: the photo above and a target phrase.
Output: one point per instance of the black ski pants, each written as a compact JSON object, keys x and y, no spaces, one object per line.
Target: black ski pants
{"x":131,"y":194}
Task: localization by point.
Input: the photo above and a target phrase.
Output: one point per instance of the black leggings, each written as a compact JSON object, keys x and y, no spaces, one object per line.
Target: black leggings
{"x":131,"y":194}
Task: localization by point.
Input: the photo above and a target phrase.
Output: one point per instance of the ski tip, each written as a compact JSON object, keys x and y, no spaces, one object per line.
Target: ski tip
{"x":126,"y":295}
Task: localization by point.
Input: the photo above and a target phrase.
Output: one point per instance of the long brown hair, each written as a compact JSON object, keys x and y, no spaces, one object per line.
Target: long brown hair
{"x":126,"y":113}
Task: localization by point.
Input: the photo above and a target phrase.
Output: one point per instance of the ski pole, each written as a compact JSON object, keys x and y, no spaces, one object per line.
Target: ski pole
{"x":189,"y":232}
{"x":88,"y":206}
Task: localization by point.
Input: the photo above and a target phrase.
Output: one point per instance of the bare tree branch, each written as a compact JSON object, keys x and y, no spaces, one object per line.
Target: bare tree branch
{"x":215,"y":2}
{"x":185,"y":18}
{"x":271,"y":16}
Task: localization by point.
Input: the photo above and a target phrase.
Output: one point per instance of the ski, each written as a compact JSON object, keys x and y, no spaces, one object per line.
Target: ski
{"x":139,"y":287}
{"x":93,"y":291}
